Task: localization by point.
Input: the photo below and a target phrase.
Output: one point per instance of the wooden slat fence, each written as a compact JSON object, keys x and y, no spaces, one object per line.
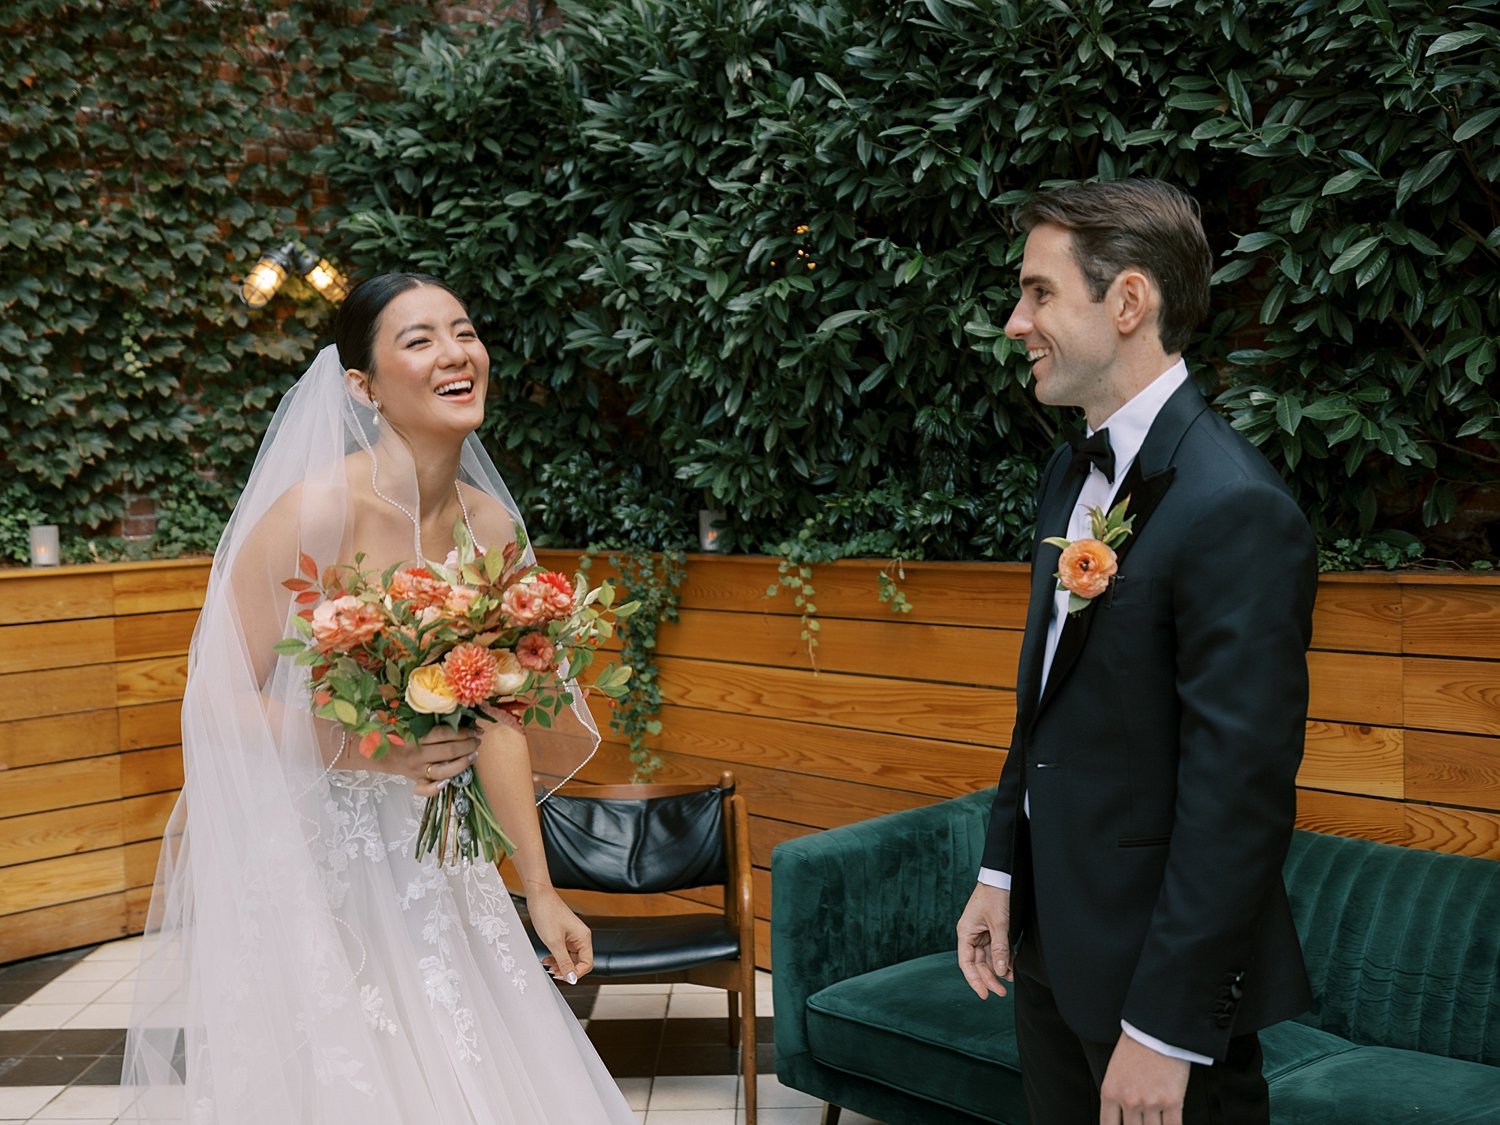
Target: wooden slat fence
{"x":1403,"y":742}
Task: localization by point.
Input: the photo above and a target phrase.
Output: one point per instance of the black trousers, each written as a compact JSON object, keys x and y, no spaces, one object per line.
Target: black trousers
{"x":1062,"y":1073}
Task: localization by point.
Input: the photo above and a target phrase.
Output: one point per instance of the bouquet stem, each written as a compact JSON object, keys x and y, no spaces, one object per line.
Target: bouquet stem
{"x":459,"y":824}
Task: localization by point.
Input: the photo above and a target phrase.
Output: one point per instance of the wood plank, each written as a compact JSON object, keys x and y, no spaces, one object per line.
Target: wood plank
{"x":766,"y":834}
{"x":154,"y":634}
{"x":151,"y":724}
{"x":60,"y":785}
{"x":159,"y":589}
{"x":58,"y":738}
{"x":65,"y":926}
{"x":145,"y":818}
{"x":985,"y":594}
{"x":896,"y":649}
{"x":57,"y":691}
{"x":1354,"y":688}
{"x":1354,"y":759}
{"x":1340,"y":814}
{"x":1462,"y":696}
{"x":813,"y":801}
{"x":151,"y":771}
{"x":1455,"y":769}
{"x":918,"y":765}
{"x":137,"y":906}
{"x":47,"y":882}
{"x":1456,"y":831}
{"x":1357,"y":616}
{"x":140,"y":862}
{"x":47,"y":835}
{"x":151,"y":681}
{"x":978,"y":715}
{"x":65,"y":594}
{"x":1451,"y":621}
{"x":56,"y":644}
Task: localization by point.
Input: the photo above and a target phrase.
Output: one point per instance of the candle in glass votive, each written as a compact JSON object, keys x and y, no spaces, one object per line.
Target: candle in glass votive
{"x":45,"y":550}
{"x":708,"y":534}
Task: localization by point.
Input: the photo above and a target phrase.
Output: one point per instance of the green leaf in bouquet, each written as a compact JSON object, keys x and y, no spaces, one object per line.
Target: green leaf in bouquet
{"x":494,"y":565}
{"x":543,"y":719}
{"x":627,"y":609}
{"x":606,"y":594}
{"x":302,"y":625}
{"x":345,"y":712}
{"x":308,"y":657}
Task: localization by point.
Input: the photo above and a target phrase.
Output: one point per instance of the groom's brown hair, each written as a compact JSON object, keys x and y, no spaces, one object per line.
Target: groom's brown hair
{"x":1147,"y":224}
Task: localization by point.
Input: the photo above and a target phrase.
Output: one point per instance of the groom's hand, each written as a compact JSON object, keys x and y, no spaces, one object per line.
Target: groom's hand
{"x":1142,"y":1085}
{"x":984,"y":940}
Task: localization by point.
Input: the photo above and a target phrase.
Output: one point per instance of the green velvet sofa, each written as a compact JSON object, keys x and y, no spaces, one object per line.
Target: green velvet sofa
{"x":872,"y":1014}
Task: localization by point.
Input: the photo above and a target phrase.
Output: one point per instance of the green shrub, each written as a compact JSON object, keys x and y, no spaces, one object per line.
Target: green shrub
{"x":635,"y":200}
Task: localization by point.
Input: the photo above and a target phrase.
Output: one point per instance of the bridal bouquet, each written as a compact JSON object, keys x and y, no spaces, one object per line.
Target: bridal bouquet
{"x":393,"y":655}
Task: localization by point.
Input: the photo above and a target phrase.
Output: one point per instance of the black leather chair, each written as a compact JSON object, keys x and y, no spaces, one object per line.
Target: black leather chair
{"x":653,"y":839}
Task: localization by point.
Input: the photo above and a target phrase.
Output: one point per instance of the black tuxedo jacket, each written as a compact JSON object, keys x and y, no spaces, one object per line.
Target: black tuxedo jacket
{"x":1161,"y":759}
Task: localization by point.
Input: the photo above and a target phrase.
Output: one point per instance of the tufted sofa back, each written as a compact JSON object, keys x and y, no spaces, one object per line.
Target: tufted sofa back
{"x":1403,"y":946}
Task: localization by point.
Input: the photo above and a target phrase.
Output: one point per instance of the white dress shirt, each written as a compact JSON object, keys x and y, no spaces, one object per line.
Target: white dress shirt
{"x":1127,"y":427}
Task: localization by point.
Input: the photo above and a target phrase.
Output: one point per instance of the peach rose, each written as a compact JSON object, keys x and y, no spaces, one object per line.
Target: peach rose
{"x":524,"y":605}
{"x":344,"y":624}
{"x":460,"y":599}
{"x":510,"y":677}
{"x":536,"y":652}
{"x":418,"y":585}
{"x":1085,"y":567}
{"x":429,"y":693}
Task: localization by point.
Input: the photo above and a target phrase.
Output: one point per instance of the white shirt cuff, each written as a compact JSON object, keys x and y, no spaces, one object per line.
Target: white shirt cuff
{"x":992,"y":878}
{"x":1162,"y":1048}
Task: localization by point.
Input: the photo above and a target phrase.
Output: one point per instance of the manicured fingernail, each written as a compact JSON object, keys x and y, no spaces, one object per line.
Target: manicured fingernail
{"x":474,"y":757}
{"x":444,"y":783}
{"x":572,"y":978}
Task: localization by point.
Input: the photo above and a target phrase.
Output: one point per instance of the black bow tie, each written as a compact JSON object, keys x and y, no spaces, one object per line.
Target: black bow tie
{"x":1094,"y":450}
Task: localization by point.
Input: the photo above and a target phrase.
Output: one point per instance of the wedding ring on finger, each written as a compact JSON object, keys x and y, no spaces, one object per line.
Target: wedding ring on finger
{"x":428,"y":771}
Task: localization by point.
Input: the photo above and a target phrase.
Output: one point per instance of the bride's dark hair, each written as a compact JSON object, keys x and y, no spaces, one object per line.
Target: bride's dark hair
{"x":359,"y":316}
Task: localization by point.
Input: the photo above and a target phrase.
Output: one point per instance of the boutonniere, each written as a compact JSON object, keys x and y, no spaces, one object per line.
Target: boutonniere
{"x":1087,"y":566}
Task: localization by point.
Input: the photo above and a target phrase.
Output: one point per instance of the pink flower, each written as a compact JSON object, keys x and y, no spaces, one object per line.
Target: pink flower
{"x":524,"y":605}
{"x":418,"y":585}
{"x":344,"y":624}
{"x":536,"y":652}
{"x":470,"y":670}
{"x":1085,"y":567}
{"x":460,"y":599}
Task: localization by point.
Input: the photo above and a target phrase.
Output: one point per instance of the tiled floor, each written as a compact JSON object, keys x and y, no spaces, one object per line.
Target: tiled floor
{"x":62,"y":1022}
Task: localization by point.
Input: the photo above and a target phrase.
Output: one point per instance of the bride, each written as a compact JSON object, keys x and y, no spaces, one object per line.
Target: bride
{"x":299,"y":965}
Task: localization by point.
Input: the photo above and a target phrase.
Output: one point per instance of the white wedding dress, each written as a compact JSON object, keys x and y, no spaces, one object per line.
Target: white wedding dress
{"x":299,"y":966}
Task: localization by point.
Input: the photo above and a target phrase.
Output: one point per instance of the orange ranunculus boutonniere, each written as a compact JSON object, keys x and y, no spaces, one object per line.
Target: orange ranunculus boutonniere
{"x":1087,"y":566}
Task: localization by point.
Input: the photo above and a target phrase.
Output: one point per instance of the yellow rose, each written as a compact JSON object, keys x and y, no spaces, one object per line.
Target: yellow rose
{"x":428,"y":693}
{"x":509,"y":675}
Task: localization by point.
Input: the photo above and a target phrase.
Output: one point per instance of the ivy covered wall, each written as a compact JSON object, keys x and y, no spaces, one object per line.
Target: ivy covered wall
{"x":753,"y":255}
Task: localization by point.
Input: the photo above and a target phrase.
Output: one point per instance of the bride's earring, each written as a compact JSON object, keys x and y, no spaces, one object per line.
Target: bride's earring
{"x":375,"y":402}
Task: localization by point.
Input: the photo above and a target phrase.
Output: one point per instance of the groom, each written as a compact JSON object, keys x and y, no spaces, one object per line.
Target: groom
{"x":1131,"y":883}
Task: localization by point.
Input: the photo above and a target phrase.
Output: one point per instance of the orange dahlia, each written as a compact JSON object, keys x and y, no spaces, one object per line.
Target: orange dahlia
{"x":470,"y":670}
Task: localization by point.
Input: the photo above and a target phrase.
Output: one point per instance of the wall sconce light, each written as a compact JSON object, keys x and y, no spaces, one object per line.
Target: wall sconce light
{"x":265,"y":278}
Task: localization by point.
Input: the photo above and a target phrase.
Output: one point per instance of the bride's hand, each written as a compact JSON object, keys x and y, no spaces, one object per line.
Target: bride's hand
{"x":441,"y":755}
{"x":571,"y":945}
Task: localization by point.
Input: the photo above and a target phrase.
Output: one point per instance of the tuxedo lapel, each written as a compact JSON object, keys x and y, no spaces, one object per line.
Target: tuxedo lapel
{"x":1145,"y":484}
{"x":1053,"y":512}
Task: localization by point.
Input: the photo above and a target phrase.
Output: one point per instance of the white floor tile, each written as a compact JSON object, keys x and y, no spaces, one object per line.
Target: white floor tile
{"x":633,"y":989}
{"x":707,"y":1091}
{"x":82,"y":1102}
{"x":69,"y":992}
{"x":629,"y":1007}
{"x":107,"y":971}
{"x":686,"y":989}
{"x":773,"y":1095}
{"x":36,"y":1017}
{"x":691,"y":1117}
{"x":121,"y":992}
{"x":784,"y":1116}
{"x":696,"y":1006}
{"x":22,"y":1101}
{"x":102,"y":1015}
{"x":126,"y":949}
{"x":637,"y":1091}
